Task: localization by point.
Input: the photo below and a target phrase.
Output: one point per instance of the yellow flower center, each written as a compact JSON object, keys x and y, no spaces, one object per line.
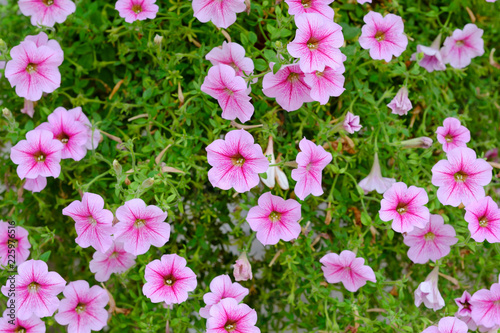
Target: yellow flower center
{"x":48,"y":3}
{"x":293,"y":77}
{"x":137,"y":9}
{"x":238,"y":160}
{"x":33,"y":287}
{"x":63,"y":137}
{"x":230,"y":326}
{"x":429,"y":236}
{"x":306,"y":3}
{"x":460,"y":177}
{"x":31,"y":68}
{"x":228,"y":91}
{"x":483,"y":221}
{"x":312,"y":44}
{"x":13,"y":242}
{"x":92,"y":220}
{"x":139,"y":223}
{"x":169,"y":280}
{"x":448,"y":138}
{"x":39,"y":157}
{"x":380,"y":36}
{"x":402,"y":208}
{"x":20,"y":330}
{"x":80,"y":308}
{"x":459,"y":43}
{"x":274,"y":217}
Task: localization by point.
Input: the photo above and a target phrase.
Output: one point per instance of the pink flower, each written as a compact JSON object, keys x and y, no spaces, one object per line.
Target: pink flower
{"x":35,"y":185}
{"x":463,"y":45}
{"x":168,"y":280}
{"x":221,"y":288}
{"x":351,"y":123}
{"x":405,"y":207}
{"x":71,"y":133}
{"x":374,"y":181}
{"x":36,"y":290}
{"x":288,"y":86}
{"x":483,"y":217}
{"x":43,"y":40}
{"x":16,"y":246}
{"x":236,"y":162}
{"x":311,"y":161}
{"x":464,"y":310}
{"x":242,"y":268}
{"x":274,"y":219}
{"x":47,"y":12}
{"x":231,"y":92}
{"x":231,"y":54}
{"x":38,"y":155}
{"x":133,"y":10}
{"x":461,"y":177}
{"x":348,"y":269}
{"x":221,"y":13}
{"x":28,"y":108}
{"x":317,"y":42}
{"x":432,"y":60}
{"x":428,"y":292}
{"x":34,"y":69}
{"x":139,"y":226}
{"x":321,"y":7}
{"x":114,"y":260}
{"x":9,"y":323}
{"x":383,"y":36}
{"x":432,"y":242}
{"x":448,"y":325}
{"x":229,"y":316}
{"x":400,"y":104}
{"x":327,"y":83}
{"x":82,"y":309}
{"x":452,"y":134}
{"x":486,"y":306}
{"x":364,"y":1}
{"x":93,"y":136}
{"x":93,"y":223}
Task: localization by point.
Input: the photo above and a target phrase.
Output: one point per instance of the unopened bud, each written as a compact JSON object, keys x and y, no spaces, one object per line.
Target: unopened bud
{"x":7,"y":114}
{"x":421,"y":142}
{"x":117,"y":167}
{"x":158,"y":39}
{"x":148,"y":183}
{"x":278,"y":44}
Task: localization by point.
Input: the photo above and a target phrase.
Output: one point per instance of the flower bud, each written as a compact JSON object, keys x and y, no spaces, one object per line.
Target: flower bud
{"x":158,"y":39}
{"x":117,"y":167}
{"x":421,"y":142}
{"x":148,"y":183}
{"x":7,"y":114}
{"x":242,"y":268}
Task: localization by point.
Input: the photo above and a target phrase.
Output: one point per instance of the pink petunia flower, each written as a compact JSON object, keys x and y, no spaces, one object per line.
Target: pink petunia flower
{"x":433,"y":59}
{"x":236,"y":162}
{"x":404,"y":206}
{"x":383,"y":36}
{"x":327,"y":83}
{"x":316,"y":44}
{"x":36,"y":290}
{"x":321,"y":7}
{"x":231,"y":54}
{"x":461,"y":177}
{"x":71,"y":133}
{"x":348,"y":269}
{"x":311,"y":161}
{"x":274,"y":219}
{"x":452,"y":134}
{"x":428,"y":292}
{"x":29,"y":108}
{"x":221,"y":13}
{"x":47,"y":12}
{"x":374,"y":181}
{"x":93,"y":223}
{"x":464,"y":310}
{"x":351,"y":123}
{"x":432,"y":242}
{"x":231,"y":92}
{"x":486,"y":306}
{"x":34,"y":69}
{"x":168,"y":280}
{"x":242,"y":268}
{"x":114,"y":260}
{"x":10,"y":323}
{"x":19,"y":244}
{"x":448,"y":325}
{"x":133,"y":10}
{"x":35,"y":185}
{"x":463,"y":45}
{"x":38,"y":155}
{"x":483,"y":217}
{"x":43,"y":40}
{"x":221,"y":288}
{"x":400,"y":104}
{"x":93,"y":136}
{"x":139,"y":226}
{"x":229,"y":316}
{"x":288,"y":86}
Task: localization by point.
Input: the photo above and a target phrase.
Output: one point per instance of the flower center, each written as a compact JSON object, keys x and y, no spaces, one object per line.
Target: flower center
{"x":460,"y":177}
{"x":429,"y":236}
{"x":169,"y":280}
{"x":312,"y":43}
{"x":274,"y":217}
{"x":497,"y":303}
{"x":33,"y":287}
{"x":293,"y":77}
{"x":20,"y":330}
{"x":402,"y":208}
{"x":139,"y":223}
{"x":466,"y":305}
{"x":92,"y":220}
{"x":483,"y":221}
{"x":309,"y":166}
{"x":114,"y":255}
{"x":380,"y":36}
{"x":320,"y":74}
{"x":48,"y":3}
{"x":448,"y":138}
{"x":80,"y":308}
{"x":63,"y":137}
{"x":39,"y":157}
{"x":459,"y":43}
{"x":230,"y":326}
{"x":228,"y":91}
{"x":137,"y":9}
{"x":13,"y":242}
{"x":238,"y":160}
{"x":233,"y":65}
{"x":31,"y":68}
{"x":306,"y":3}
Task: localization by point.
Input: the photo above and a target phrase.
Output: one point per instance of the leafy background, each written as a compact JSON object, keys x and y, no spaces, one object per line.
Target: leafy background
{"x":149,"y":97}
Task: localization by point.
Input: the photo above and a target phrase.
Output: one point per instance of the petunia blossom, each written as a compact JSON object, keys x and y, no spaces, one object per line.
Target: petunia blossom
{"x":47,"y":12}
{"x":400,"y":104}
{"x":274,"y":219}
{"x":404,"y":206}
{"x":461,"y":177}
{"x":231,"y":92}
{"x":133,"y":10}
{"x":432,"y":242}
{"x":236,"y":162}
{"x":317,"y":42}
{"x":168,"y":280}
{"x":36,"y":290}
{"x":452,"y":134}
{"x":242,"y":269}
{"x":82,"y":309}
{"x":231,"y":54}
{"x":221,"y":288}
{"x":141,"y":226}
{"x":288,"y":86}
{"x":428,"y":292}
{"x":327,"y":83}
{"x":42,"y":39}
{"x":383,"y":36}
{"x":448,"y":325}
{"x":38,"y":155}
{"x":93,"y":223}
{"x":483,"y":217}
{"x":10,"y":323}
{"x":432,"y":59}
{"x":486,"y":306}
{"x":348,"y":269}
{"x":14,"y":245}
{"x":35,"y":185}
{"x":114,"y":260}
{"x":311,"y":161}
{"x":465,"y":310}
{"x":374,"y":181}
{"x":229,"y":316}
{"x":221,"y":13}
{"x":351,"y":123}
{"x":321,"y":7}
{"x":93,"y":135}
{"x":462,"y":46}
